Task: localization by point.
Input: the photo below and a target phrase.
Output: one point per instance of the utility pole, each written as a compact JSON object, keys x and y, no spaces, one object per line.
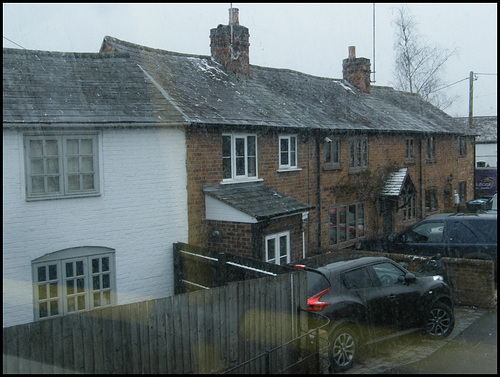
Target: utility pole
{"x":471,"y":93}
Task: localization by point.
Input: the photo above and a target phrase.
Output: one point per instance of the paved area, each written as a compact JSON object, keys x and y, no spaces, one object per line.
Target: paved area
{"x":384,"y":357}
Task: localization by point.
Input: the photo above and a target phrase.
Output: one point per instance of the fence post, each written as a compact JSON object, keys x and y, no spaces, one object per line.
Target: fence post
{"x":220,"y":271}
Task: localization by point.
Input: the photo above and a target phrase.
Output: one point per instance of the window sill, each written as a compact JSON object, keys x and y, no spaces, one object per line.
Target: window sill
{"x":286,"y":170}
{"x":76,"y":196}
{"x":328,"y":167}
{"x":233,"y":181}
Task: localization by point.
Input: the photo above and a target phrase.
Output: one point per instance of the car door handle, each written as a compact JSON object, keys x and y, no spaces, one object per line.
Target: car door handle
{"x":392,"y":297}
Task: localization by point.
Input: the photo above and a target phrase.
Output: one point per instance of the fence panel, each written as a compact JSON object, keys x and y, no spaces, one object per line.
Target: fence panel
{"x":204,"y":331}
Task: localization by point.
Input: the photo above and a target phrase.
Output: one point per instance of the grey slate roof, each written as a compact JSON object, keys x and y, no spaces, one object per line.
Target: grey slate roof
{"x":485,"y":127}
{"x":141,"y":85}
{"x":52,"y":88}
{"x":206,"y":93}
{"x":257,"y":200}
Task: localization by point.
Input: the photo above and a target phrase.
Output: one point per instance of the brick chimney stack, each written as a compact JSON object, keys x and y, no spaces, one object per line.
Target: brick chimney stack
{"x":357,"y":71}
{"x":229,"y":45}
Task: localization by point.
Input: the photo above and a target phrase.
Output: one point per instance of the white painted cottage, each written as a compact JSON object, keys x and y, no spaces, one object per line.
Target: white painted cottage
{"x":94,"y":185}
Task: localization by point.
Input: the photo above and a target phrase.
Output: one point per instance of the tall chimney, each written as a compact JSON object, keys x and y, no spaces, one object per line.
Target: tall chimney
{"x":229,"y":45}
{"x":357,"y":71}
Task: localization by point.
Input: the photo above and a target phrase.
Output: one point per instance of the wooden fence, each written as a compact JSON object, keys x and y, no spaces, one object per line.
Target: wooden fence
{"x":206,"y":331}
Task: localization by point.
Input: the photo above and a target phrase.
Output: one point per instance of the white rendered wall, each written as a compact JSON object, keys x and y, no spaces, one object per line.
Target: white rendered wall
{"x":142,"y":211}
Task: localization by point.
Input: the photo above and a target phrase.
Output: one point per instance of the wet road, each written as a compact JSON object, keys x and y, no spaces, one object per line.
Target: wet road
{"x":473,"y":351}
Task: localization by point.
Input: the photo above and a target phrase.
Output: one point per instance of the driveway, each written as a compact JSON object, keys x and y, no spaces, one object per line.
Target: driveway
{"x":396,"y":355}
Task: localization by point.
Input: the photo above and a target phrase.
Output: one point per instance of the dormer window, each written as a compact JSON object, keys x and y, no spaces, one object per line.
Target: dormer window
{"x":239,"y":157}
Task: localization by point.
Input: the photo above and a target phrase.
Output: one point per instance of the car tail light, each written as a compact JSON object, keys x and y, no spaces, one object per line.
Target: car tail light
{"x":315,"y":305}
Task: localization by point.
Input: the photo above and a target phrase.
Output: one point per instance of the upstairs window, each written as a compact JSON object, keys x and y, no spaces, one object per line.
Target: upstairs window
{"x":288,"y":152}
{"x":430,"y":149}
{"x":332,"y":153}
{"x":59,"y":166}
{"x":409,"y":150}
{"x":462,"y":147}
{"x":358,"y":154}
{"x":239,"y":157}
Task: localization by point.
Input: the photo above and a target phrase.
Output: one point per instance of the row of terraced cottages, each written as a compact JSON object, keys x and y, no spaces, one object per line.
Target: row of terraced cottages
{"x":111,"y":157}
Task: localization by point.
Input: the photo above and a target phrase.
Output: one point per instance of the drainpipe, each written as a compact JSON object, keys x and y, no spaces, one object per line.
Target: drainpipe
{"x":318,"y":172}
{"x":421,"y":211}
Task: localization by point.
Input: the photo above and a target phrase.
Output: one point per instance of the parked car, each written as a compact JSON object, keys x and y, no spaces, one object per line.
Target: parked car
{"x":455,"y":235}
{"x":372,"y":299}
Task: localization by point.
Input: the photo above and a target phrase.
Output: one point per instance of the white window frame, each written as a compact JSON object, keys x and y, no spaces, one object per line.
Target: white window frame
{"x":61,"y":161}
{"x":68,"y":292}
{"x":290,"y":155}
{"x":340,"y":229}
{"x":277,"y":238}
{"x":246,"y":158}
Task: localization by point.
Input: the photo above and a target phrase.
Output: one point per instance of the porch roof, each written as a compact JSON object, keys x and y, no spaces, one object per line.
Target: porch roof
{"x":257,"y":200}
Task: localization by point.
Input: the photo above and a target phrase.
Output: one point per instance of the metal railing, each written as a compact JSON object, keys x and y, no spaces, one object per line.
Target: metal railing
{"x":321,"y":346}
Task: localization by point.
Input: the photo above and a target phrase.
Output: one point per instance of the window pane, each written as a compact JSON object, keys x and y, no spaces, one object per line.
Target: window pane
{"x":79,"y":268}
{"x":106,"y":281}
{"x":80,"y":285}
{"x":52,"y":272}
{"x":97,"y":300}
{"x":342,"y":224}
{"x":72,"y":165}
{"x":71,"y":146}
{"x":42,"y":310}
{"x":87,"y":181}
{"x":240,"y":156}
{"x":81,"y":302}
{"x":271,"y":249}
{"x":52,"y":166}
{"x":70,"y":287}
{"x":51,"y":148}
{"x":36,"y":148}
{"x":53,"y":290}
{"x":352,"y":222}
{"x":96,"y":283}
{"x":52,"y":184}
{"x":71,"y":304}
{"x":351,"y":154}
{"x":95,"y":265}
{"x":335,"y":154}
{"x":42,"y":292}
{"x":328,"y":153}
{"x":42,"y":273}
{"x":54,"y":308}
{"x":293,"y":151}
{"x":73,"y":182}
{"x":69,"y":269}
{"x":86,"y":146}
{"x":283,"y":245}
{"x":106,"y":298}
{"x":284,"y":151}
{"x":87,"y":164}
{"x":37,"y":166}
{"x":333,"y":225}
{"x":105,"y":264}
{"x":37,"y":186}
{"x":365,"y":152}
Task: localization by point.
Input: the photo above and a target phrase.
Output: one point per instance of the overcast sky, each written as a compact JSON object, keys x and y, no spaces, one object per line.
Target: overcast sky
{"x":310,"y":38}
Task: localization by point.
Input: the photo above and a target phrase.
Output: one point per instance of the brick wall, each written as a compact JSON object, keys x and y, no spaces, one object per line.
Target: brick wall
{"x":205,"y":168}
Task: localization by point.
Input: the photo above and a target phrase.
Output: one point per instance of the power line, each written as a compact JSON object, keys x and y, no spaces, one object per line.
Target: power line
{"x":446,"y":86}
{"x":14,"y":42}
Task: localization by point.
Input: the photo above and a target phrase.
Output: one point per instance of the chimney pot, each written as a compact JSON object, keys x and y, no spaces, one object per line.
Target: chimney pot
{"x":352,"y":52}
{"x":233,"y":16}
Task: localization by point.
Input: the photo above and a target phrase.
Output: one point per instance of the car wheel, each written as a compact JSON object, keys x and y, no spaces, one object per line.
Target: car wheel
{"x":343,"y":348}
{"x":440,"y":321}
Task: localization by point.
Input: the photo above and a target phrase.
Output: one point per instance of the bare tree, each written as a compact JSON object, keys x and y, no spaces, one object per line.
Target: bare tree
{"x":418,"y":64}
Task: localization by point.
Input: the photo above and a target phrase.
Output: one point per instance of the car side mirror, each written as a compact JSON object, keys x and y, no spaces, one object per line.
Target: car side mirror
{"x":410,"y":278}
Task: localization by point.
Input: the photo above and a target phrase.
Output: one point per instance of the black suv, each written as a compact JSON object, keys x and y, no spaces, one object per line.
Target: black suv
{"x":451,"y":235}
{"x":373,"y":298}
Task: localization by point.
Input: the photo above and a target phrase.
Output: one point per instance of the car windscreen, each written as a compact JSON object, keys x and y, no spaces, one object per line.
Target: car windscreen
{"x":316,"y":282}
{"x":488,"y":228}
